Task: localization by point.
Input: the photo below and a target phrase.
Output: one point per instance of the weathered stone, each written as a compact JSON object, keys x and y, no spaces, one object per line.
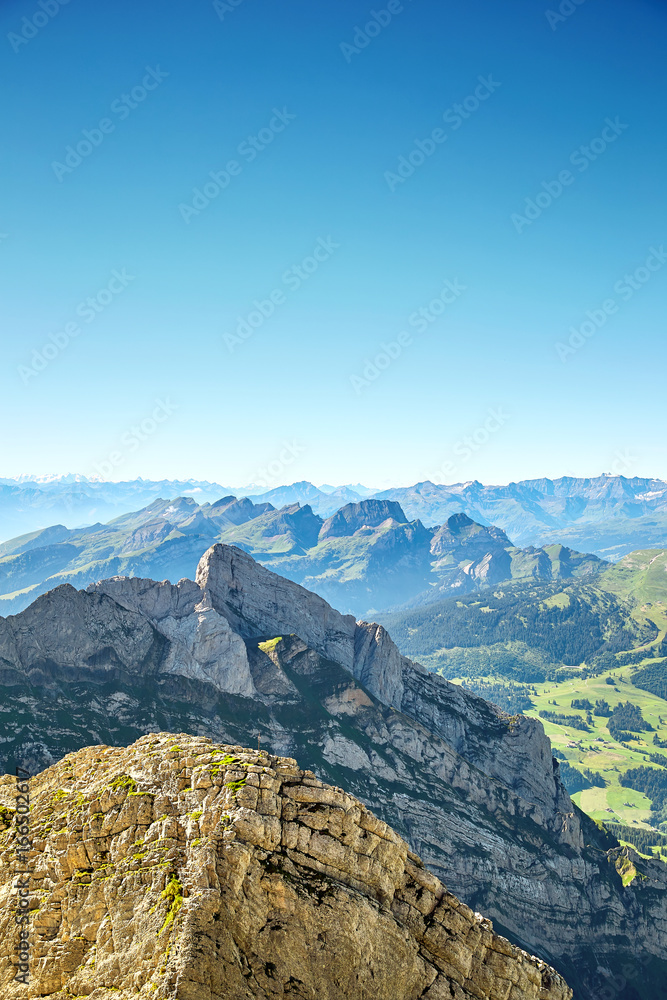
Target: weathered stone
{"x":260,"y":907}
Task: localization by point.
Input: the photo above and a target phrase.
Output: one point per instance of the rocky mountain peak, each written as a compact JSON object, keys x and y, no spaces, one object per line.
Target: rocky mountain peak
{"x":457,"y":522}
{"x":365,"y":514}
{"x":179,"y":867}
{"x":258,"y":602}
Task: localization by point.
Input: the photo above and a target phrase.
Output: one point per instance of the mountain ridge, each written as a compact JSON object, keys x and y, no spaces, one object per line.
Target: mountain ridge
{"x":474,"y":790}
{"x":609,"y":515}
{"x":365,"y":557}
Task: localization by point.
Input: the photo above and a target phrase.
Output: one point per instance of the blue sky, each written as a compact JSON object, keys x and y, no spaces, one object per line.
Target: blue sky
{"x":173,"y":371}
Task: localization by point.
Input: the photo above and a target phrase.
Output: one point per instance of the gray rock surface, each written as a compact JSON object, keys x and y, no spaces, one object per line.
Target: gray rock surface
{"x":259,"y":602}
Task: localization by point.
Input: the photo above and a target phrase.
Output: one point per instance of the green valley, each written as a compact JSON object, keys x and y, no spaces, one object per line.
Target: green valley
{"x":589,"y":659}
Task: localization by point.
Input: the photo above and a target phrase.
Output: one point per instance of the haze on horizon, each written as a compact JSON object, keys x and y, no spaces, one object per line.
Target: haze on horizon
{"x":267,"y":485}
{"x":435,"y":252}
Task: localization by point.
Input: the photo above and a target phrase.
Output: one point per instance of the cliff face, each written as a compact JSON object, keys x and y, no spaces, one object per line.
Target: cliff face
{"x":473,"y":791}
{"x":181,"y":868}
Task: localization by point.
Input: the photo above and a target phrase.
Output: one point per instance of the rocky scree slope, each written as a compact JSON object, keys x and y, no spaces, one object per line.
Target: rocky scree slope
{"x":182,"y":868}
{"x":242,"y":650}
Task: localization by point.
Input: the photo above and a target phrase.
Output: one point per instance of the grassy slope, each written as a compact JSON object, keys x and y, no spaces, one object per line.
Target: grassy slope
{"x":640,"y":580}
{"x":610,"y":758}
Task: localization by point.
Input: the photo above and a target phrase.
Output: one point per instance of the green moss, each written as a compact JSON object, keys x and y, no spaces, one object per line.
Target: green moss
{"x":217,"y":766}
{"x":7,"y":815}
{"x":123,"y":781}
{"x":197,"y":814}
{"x":173,"y":892}
{"x":234,"y":786}
{"x":270,"y":644}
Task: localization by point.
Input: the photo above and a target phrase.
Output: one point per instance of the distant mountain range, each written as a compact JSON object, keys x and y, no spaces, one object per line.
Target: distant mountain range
{"x":29,"y":503}
{"x":607,"y":515}
{"x":365,"y":557}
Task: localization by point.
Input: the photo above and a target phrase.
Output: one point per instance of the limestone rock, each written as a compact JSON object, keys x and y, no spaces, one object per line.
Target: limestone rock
{"x":178,"y":868}
{"x":202,"y":643}
{"x":257,"y":601}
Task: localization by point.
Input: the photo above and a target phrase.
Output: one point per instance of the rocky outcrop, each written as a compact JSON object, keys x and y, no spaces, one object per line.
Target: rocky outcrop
{"x":259,"y":602}
{"x":366,"y":514}
{"x":181,"y":868}
{"x":202,"y":643}
{"x":378,"y":665}
{"x":125,"y":629}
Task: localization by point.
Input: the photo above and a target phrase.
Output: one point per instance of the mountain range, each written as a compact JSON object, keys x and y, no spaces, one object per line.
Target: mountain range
{"x":30,"y":503}
{"x":241,"y":652}
{"x":607,"y":515}
{"x":365,"y":557}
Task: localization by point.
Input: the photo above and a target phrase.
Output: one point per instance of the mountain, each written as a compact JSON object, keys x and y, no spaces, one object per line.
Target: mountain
{"x":368,"y":556}
{"x":365,"y":556}
{"x":323,"y":502}
{"x":526,"y":631}
{"x":165,"y":540}
{"x":607,"y":515}
{"x":29,"y":505}
{"x":207,"y":870}
{"x":242,"y":651}
{"x":358,"y":489}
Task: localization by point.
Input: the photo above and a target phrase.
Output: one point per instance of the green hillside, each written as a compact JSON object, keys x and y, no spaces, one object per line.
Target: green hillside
{"x":588,"y":659}
{"x":537,"y":631}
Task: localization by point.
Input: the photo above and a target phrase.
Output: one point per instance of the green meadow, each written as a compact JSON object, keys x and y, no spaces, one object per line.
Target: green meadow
{"x":598,"y":751}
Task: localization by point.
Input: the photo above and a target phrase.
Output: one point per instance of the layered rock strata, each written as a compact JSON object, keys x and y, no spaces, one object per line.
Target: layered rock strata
{"x":181,"y":868}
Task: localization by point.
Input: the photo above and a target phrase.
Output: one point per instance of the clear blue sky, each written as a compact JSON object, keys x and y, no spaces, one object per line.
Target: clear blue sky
{"x":180,"y":87}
